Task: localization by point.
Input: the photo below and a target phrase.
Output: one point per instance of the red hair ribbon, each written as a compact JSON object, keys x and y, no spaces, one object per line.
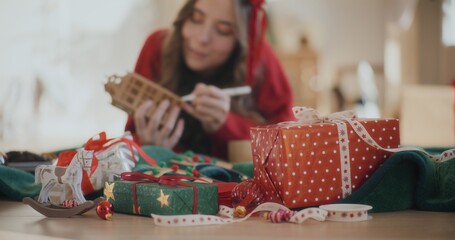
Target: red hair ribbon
{"x":168,"y":180}
{"x":257,"y":28}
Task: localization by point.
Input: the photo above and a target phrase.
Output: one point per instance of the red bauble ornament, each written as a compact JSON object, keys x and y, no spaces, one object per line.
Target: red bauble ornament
{"x":246,"y":196}
{"x":105,"y":210}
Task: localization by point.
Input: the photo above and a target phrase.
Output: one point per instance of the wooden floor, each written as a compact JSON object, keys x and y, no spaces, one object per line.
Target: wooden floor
{"x":19,"y":221}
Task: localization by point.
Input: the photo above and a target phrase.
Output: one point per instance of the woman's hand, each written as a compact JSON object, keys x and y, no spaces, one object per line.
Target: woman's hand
{"x":151,"y":130}
{"x":210,"y":106}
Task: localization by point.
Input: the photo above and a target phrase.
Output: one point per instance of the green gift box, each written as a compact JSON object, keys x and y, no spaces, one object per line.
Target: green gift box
{"x":166,"y":198}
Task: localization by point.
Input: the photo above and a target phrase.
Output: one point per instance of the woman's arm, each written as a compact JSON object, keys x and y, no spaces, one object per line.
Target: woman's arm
{"x":148,"y":65}
{"x":273,"y":99}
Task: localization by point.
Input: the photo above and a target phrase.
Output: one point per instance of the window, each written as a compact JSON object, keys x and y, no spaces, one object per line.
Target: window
{"x":448,"y":24}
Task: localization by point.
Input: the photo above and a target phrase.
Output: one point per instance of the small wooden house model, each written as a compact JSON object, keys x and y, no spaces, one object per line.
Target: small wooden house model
{"x":130,"y":91}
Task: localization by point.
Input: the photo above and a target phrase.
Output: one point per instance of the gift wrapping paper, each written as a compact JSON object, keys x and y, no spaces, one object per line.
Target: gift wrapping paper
{"x":301,"y":165}
{"x":160,"y":199}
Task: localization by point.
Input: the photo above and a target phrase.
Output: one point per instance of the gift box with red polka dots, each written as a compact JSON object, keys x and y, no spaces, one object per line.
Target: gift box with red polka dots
{"x":313,"y":164}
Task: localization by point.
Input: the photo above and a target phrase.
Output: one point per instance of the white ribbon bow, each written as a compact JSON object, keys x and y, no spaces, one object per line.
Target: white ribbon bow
{"x":306,"y":115}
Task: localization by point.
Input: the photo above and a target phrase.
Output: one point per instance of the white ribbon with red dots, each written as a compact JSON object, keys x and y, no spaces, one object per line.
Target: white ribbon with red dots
{"x":307,"y":115}
{"x":226,"y":215}
{"x":363,"y":133}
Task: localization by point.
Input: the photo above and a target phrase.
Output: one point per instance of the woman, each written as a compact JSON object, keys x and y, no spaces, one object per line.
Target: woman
{"x":214,"y":44}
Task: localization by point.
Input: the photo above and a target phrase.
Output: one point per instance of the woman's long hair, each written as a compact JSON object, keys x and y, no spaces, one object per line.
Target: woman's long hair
{"x":176,"y":76}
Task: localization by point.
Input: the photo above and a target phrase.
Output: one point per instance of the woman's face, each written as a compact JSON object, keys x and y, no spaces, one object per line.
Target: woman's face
{"x":209,"y":35}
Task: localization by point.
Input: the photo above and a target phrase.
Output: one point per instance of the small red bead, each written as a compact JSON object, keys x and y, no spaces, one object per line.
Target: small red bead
{"x":175,"y":167}
{"x":195,"y":158}
{"x":207,"y":160}
{"x":195,"y":173}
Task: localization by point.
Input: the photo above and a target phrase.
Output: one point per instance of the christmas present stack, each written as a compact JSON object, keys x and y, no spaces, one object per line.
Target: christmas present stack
{"x":144,"y":194}
{"x":319,"y":160}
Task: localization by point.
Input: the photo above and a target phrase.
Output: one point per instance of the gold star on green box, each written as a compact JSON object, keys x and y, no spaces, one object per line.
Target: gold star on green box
{"x":161,"y":199}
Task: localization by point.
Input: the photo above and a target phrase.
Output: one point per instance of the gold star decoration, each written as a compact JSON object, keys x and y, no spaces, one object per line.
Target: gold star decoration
{"x":163,"y":199}
{"x":109,"y":191}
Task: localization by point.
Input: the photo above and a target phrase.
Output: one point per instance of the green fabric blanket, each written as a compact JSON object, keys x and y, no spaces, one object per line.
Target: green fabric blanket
{"x":407,"y":180}
{"x":16,"y":184}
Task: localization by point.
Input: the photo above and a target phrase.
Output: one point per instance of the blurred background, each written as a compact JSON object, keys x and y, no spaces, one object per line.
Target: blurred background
{"x":382,"y":58}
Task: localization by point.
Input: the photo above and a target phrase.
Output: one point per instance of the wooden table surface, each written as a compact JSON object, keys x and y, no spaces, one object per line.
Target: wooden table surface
{"x":19,"y":221}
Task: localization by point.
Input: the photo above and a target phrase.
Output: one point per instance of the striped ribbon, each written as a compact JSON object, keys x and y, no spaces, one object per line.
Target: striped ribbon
{"x":306,"y":115}
{"x":226,"y":216}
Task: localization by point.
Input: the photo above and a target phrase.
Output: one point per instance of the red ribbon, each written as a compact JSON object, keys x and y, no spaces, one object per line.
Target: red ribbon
{"x":99,"y":144}
{"x":96,"y":144}
{"x":168,"y":180}
{"x":65,"y":158}
{"x":255,"y":37}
